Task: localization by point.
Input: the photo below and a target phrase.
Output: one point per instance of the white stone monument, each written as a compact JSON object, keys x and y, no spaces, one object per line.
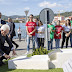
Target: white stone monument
{"x":55,"y":59}
{"x":39,"y":62}
{"x":58,"y":58}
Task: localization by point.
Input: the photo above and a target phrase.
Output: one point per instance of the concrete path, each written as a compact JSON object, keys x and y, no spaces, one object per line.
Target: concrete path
{"x":21,"y":50}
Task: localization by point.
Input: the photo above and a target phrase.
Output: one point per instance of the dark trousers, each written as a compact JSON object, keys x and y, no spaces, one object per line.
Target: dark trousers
{"x":40,"y":42}
{"x":19,"y":35}
{"x":50,"y":44}
{"x":71,"y":39}
{"x":11,"y":38}
{"x":63,"y":40}
{"x":6,"y":50}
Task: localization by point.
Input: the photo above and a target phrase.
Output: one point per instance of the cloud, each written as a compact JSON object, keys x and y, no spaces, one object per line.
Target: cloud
{"x":26,"y":8}
{"x":48,"y":4}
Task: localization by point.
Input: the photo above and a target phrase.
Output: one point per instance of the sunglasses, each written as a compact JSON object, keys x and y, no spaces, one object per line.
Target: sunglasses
{"x":30,"y":17}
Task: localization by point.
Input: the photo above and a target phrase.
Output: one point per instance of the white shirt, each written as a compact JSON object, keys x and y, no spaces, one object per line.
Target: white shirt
{"x":19,"y":31}
{"x":71,"y":26}
{"x":66,"y":28}
{"x":42,"y":29}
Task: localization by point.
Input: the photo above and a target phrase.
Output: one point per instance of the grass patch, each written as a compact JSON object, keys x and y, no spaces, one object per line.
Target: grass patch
{"x":4,"y":68}
{"x":29,"y":55}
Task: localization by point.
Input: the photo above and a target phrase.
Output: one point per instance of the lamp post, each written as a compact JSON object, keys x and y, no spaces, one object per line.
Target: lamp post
{"x":26,"y":12}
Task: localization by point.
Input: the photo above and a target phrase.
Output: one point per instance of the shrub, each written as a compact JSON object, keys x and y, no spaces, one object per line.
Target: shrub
{"x":40,"y":51}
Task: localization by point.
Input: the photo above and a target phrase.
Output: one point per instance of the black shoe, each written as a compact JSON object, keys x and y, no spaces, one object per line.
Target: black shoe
{"x":17,"y":46}
{"x":61,"y":47}
{"x":48,"y":49}
{"x":3,"y":63}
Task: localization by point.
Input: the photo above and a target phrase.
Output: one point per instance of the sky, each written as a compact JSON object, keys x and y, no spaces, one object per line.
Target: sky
{"x":17,"y":7}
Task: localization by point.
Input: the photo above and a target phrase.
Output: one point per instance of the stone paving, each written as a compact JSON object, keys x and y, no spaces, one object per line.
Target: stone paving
{"x":21,"y":50}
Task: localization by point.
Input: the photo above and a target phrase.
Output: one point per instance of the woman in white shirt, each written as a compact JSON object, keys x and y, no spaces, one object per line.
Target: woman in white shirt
{"x":66,"y":30}
{"x":19,"y":33}
{"x":40,"y":34}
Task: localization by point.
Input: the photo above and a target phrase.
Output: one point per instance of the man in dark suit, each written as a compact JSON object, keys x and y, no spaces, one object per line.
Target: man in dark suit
{"x":5,"y":50}
{"x":2,"y":22}
{"x":12,"y":31}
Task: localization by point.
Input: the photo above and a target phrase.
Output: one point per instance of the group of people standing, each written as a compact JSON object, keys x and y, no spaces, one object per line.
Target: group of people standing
{"x":57,"y":31}
{"x":36,"y":31}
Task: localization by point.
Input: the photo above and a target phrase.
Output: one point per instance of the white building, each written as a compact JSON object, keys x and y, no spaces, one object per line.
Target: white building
{"x":56,"y":18}
{"x":68,"y":17}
